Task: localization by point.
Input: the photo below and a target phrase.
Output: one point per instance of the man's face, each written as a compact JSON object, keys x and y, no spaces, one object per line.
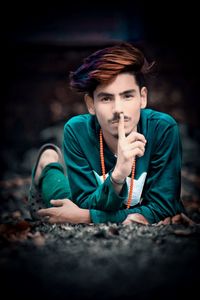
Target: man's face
{"x":120,"y":95}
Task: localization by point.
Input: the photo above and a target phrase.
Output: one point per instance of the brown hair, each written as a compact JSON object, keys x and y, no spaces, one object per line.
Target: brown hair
{"x":104,"y":65}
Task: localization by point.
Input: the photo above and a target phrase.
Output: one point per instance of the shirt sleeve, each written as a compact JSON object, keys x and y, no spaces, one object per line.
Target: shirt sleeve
{"x":162,"y":189}
{"x":119,"y":216}
{"x":161,"y":194}
{"x":85,"y":189}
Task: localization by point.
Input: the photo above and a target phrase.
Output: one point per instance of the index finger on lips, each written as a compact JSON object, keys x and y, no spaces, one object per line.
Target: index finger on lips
{"x":121,"y":131}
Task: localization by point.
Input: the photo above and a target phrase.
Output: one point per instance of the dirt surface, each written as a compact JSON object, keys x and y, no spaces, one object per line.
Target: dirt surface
{"x":106,"y":261}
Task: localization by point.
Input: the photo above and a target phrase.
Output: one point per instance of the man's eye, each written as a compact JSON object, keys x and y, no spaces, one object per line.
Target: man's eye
{"x":128,"y":96}
{"x":106,"y":99}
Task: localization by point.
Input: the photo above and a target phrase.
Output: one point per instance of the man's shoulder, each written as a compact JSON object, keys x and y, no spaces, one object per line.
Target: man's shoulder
{"x":158,"y":117}
{"x":78,"y":121}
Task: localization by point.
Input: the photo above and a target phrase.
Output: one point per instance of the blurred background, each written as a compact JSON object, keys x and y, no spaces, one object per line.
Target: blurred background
{"x":41,"y":44}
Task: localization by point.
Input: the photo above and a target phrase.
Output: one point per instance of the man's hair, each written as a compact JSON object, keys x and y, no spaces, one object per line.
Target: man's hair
{"x":103,"y":65}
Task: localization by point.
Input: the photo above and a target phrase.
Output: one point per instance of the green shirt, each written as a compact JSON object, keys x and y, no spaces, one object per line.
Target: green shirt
{"x":157,"y":182}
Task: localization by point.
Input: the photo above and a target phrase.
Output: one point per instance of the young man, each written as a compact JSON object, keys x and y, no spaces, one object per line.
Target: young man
{"x":123,"y":161}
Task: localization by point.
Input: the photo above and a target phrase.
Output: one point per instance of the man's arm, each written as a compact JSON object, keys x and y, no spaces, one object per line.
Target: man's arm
{"x":163,"y":184}
{"x":65,"y":211}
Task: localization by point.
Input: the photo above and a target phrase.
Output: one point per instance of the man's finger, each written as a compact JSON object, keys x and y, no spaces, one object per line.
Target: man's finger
{"x":121,"y":131}
{"x":57,"y":202}
{"x":136,"y":136}
{"x":44,"y":212}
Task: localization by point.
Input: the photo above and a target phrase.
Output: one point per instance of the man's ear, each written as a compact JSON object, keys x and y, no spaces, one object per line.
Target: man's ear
{"x":90,"y":104}
{"x":143,"y":94}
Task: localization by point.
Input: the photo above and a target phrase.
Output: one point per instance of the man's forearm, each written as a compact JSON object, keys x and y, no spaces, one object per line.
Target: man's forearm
{"x":98,"y":216}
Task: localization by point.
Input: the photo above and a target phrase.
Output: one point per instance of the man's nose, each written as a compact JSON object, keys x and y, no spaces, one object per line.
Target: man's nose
{"x":117,"y":107}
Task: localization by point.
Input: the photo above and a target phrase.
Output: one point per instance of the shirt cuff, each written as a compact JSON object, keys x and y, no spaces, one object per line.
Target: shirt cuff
{"x":98,"y":216}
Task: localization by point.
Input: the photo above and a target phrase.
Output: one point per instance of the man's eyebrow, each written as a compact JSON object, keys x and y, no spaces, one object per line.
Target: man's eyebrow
{"x":127,"y":92}
{"x":104,"y":94}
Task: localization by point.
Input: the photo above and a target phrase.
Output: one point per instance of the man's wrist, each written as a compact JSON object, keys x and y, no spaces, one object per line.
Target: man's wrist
{"x":117,"y":177}
{"x":85,"y":216}
{"x":115,"y":181}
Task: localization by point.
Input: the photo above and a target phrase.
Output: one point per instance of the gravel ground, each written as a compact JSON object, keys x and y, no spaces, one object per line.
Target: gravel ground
{"x":105,"y":261}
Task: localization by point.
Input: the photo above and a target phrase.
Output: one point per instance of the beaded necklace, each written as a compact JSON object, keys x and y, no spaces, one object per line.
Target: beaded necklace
{"x":104,"y":170}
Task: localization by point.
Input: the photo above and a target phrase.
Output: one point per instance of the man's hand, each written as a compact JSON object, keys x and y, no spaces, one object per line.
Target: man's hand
{"x":128,"y":148}
{"x":177,"y":219}
{"x":65,"y":211}
{"x":135,"y":218}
